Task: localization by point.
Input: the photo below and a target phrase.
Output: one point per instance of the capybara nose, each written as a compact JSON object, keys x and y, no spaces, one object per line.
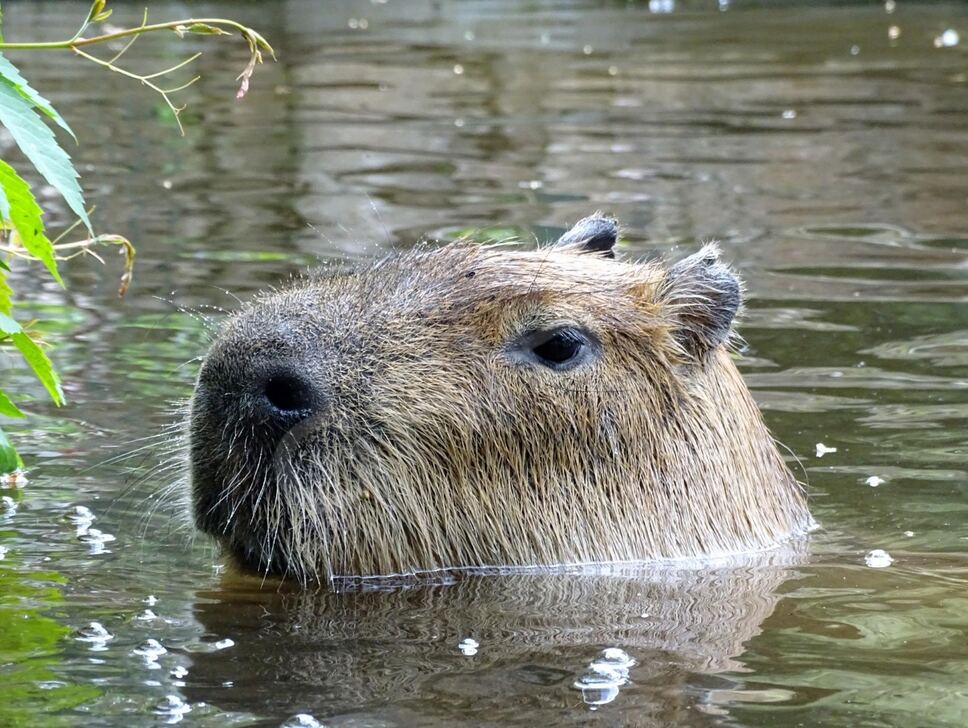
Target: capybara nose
{"x":287,"y":396}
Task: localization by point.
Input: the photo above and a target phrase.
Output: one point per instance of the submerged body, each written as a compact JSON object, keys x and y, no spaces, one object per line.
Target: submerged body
{"x":485,"y":406}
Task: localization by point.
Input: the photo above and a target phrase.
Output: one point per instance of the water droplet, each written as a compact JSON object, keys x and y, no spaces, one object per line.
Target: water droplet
{"x":458,"y":69}
{"x":889,"y":6}
{"x":662,"y":6}
{"x":173,"y":708}
{"x":909,"y":533}
{"x":875,"y":481}
{"x":587,"y":50}
{"x":600,"y":685}
{"x":723,"y":5}
{"x":301,"y":720}
{"x":878,"y":559}
{"x":166,"y":184}
{"x":894,"y":32}
{"x":545,"y":38}
{"x":468,"y":647}
{"x":353,"y":23}
{"x":823,"y":449}
{"x":789,"y":114}
{"x":855,"y":50}
{"x":615,"y":657}
{"x":224,"y":644}
{"x":613,"y":70}
{"x":531,"y":184}
{"x":468,"y":35}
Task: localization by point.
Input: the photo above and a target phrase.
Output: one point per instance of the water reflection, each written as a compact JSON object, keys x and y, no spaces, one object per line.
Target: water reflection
{"x":396,"y":655}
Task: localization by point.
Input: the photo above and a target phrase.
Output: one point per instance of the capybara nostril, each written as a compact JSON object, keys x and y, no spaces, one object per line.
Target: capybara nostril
{"x":289,"y":394}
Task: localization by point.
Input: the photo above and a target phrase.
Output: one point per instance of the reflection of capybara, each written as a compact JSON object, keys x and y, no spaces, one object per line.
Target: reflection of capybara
{"x":391,"y":656}
{"x":483,"y":405}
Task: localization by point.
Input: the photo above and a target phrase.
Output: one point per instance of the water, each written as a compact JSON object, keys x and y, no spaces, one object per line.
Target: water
{"x":825,"y":146}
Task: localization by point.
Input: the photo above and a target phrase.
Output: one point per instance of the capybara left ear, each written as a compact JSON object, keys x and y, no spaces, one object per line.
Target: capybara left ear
{"x":703,"y":297}
{"x":593,"y":234}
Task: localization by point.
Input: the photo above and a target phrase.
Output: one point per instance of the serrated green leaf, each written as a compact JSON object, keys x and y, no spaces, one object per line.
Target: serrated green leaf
{"x":10,"y":72}
{"x":9,"y":459}
{"x":35,"y":357}
{"x":41,"y":365}
{"x":7,"y":407}
{"x":21,"y":209}
{"x":37,"y":142}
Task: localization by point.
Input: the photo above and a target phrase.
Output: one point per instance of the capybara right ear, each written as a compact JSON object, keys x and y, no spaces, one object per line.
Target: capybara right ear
{"x":703,"y":297}
{"x":593,"y":234}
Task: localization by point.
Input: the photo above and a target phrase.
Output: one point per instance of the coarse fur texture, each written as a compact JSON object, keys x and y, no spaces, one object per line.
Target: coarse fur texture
{"x":399,"y":418}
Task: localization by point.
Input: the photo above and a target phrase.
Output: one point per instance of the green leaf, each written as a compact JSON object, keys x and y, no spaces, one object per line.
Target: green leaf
{"x":17,"y":204}
{"x":41,"y":365}
{"x":6,"y":293}
{"x":9,"y":459}
{"x":37,"y":142}
{"x":10,"y":72}
{"x":7,"y":407}
{"x":34,"y":356}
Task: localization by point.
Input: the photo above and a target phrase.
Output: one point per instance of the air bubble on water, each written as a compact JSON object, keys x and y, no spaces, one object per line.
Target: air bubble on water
{"x":146,"y":616}
{"x":789,"y":114}
{"x":823,"y":449}
{"x":94,"y":634}
{"x":468,"y":646}
{"x":894,"y":32}
{"x":151,"y":600}
{"x":301,"y":720}
{"x":166,"y":184}
{"x":531,"y":184}
{"x":587,"y":50}
{"x":613,"y":70}
{"x":151,"y":649}
{"x":875,"y":481}
{"x":615,"y":657}
{"x":173,"y":708}
{"x":95,"y":540}
{"x":662,"y":6}
{"x":458,"y":69}
{"x":81,"y":517}
{"x":545,"y":38}
{"x":909,"y":534}
{"x":878,"y":559}
{"x":468,"y":35}
{"x":8,"y":506}
{"x":855,"y":50}
{"x":224,"y":644}
{"x":178,"y":672}
{"x":889,"y":6}
{"x":600,"y":685}
{"x":948,"y":39}
{"x":723,"y":5}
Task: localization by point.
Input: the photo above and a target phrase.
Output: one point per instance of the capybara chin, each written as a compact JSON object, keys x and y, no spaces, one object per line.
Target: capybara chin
{"x":481,"y":406}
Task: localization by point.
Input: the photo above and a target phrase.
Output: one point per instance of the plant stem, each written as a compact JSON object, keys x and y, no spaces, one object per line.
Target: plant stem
{"x":170,"y":25}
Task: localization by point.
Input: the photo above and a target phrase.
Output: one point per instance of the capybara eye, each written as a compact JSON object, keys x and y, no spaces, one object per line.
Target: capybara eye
{"x":559,"y":349}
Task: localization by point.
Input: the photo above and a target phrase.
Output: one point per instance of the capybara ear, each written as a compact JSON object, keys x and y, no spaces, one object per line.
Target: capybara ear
{"x":703,"y":296}
{"x":593,"y":234}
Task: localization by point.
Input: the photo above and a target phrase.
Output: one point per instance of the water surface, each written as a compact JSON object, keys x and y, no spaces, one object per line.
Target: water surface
{"x":825,"y":146}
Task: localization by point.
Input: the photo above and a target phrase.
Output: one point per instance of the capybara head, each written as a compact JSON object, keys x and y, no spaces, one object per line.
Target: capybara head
{"x":481,"y":406}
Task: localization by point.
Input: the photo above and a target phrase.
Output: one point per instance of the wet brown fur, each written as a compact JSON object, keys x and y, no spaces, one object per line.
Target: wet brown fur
{"x":436,"y":450}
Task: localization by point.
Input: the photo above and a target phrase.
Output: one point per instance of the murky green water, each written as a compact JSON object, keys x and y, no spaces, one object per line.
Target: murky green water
{"x":826,"y":147}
